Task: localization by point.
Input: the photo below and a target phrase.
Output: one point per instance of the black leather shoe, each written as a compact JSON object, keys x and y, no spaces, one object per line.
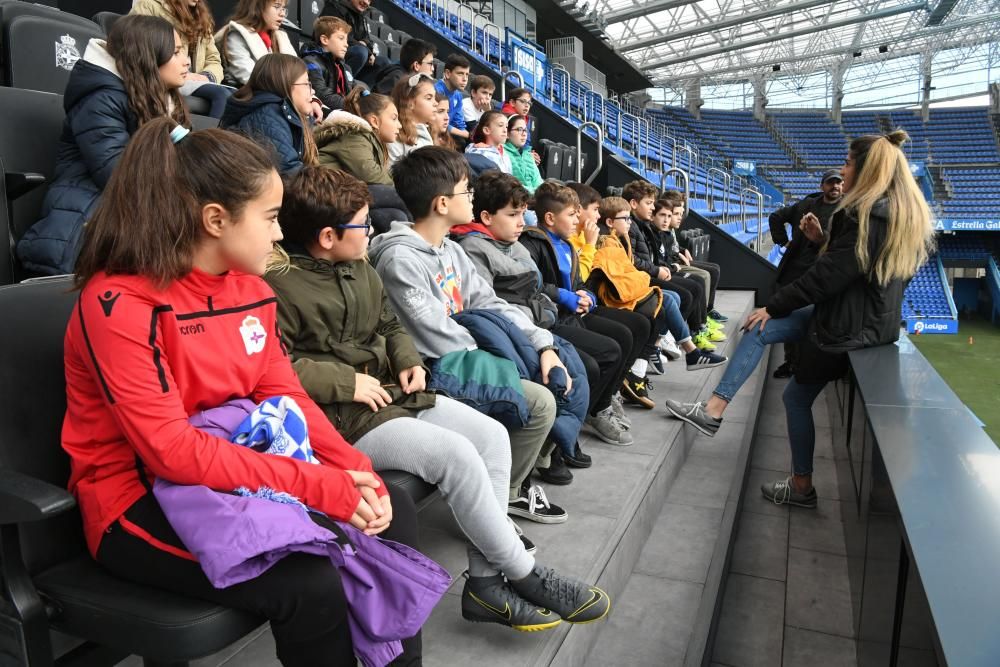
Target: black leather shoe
{"x":557,"y":473}
{"x":578,"y":459}
{"x":783,"y":371}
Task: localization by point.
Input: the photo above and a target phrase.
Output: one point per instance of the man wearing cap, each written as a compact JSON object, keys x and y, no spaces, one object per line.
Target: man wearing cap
{"x":800,"y":252}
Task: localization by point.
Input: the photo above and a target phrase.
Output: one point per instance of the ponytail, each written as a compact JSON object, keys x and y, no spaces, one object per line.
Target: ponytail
{"x":149,"y":220}
{"x":882,"y":172}
{"x":479,"y":134}
{"x":362,"y":103}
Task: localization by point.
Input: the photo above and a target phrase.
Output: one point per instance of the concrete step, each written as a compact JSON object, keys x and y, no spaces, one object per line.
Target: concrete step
{"x":665,"y":615}
{"x":614,"y":508}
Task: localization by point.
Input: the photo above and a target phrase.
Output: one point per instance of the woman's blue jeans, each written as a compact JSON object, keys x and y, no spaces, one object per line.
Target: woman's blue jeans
{"x":799,"y":399}
{"x":751,"y":348}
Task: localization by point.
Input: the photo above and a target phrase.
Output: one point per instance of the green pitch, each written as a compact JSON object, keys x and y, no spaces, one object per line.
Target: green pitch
{"x":971,"y":370}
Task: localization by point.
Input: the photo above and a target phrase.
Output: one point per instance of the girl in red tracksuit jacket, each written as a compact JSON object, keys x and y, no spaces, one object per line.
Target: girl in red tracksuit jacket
{"x":173,"y":319}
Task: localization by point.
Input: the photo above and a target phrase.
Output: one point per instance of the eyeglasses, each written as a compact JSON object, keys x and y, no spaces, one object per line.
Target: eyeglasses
{"x":518,"y":129}
{"x":470,"y":192}
{"x":524,"y":100}
{"x":622,"y":218}
{"x":304,"y":83}
{"x":367,"y":226}
{"x":280,"y":8}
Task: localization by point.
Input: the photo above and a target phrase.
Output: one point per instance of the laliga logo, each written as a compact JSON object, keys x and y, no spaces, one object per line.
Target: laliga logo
{"x":926,"y":327}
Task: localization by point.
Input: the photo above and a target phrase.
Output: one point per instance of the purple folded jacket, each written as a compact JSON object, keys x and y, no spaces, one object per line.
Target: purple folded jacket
{"x":391,"y":588}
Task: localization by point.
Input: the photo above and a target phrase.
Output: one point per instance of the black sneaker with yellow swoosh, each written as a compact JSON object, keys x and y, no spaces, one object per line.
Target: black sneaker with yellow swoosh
{"x":574,"y":600}
{"x":492,"y":600}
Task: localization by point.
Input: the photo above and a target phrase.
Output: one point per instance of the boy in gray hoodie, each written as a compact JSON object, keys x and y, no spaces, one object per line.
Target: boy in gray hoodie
{"x":428,"y":278}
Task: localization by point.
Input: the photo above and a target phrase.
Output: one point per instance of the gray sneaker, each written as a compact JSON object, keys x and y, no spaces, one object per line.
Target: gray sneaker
{"x":783,"y":492}
{"x":572,"y":599}
{"x":493,"y":600}
{"x":607,"y":428}
{"x":694,"y":414}
{"x":618,"y":408}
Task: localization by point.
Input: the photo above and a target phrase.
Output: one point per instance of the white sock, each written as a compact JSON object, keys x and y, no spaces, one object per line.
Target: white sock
{"x":639,"y":368}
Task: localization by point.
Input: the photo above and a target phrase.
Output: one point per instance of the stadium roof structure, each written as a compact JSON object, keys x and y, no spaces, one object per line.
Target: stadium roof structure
{"x":801,"y":42}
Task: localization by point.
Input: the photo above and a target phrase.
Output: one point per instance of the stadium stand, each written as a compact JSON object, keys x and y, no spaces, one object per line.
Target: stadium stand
{"x":789,"y":149}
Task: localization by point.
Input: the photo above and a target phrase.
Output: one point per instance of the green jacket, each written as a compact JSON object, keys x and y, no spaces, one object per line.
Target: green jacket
{"x":336,"y":321}
{"x":523,"y":166}
{"x":348,"y":143}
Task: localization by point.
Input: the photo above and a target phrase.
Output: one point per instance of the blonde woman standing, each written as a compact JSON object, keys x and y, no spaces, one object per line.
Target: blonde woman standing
{"x":850,"y":298}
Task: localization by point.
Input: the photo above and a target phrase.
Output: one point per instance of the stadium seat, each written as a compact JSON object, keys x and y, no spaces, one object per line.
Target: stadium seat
{"x":80,"y":598}
{"x":29,"y":140}
{"x":199,"y":122}
{"x":106,"y":20}
{"x":394,"y":50}
{"x":55,"y":583}
{"x":552,"y":159}
{"x":379,"y":47}
{"x":569,"y":163}
{"x":40,"y":50}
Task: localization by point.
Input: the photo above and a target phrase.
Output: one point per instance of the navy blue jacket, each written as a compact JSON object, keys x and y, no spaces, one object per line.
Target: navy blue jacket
{"x":331,"y":79}
{"x":497,"y":335}
{"x":97,"y":128}
{"x":268,"y":118}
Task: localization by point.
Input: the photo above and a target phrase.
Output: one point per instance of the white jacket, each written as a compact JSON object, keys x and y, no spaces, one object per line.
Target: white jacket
{"x":398,"y":149}
{"x":241,"y":48}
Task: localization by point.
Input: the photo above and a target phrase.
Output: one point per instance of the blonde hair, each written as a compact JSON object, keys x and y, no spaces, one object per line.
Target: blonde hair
{"x":882,"y":172}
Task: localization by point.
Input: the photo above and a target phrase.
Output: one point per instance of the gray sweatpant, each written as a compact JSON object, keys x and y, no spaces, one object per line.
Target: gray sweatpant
{"x":468,"y":456}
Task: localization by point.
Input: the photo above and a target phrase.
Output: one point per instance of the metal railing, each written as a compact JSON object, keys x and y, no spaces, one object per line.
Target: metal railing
{"x":621,"y":133}
{"x":565,"y":89}
{"x":726,"y":178}
{"x":486,"y":49}
{"x":579,"y":152}
{"x":760,"y":213}
{"x":591,"y":95}
{"x":687,"y":183}
{"x":472,"y":22}
{"x":692,"y":161}
{"x":503,"y":82}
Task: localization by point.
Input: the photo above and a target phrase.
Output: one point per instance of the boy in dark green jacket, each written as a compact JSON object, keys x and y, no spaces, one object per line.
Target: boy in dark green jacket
{"x":355,"y":359}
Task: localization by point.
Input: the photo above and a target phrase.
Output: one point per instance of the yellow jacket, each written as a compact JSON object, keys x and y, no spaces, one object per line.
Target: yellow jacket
{"x":206,"y":54}
{"x":619,"y":283}
{"x":585,"y":254}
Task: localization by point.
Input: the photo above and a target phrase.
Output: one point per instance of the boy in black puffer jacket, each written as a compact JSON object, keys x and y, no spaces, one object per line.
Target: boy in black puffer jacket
{"x":330,"y":76}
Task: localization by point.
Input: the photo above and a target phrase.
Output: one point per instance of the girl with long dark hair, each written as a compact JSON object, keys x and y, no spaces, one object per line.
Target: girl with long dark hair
{"x":118,"y":86}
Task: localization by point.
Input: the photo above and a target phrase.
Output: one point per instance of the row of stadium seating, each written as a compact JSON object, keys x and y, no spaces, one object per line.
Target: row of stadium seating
{"x":927,"y":294}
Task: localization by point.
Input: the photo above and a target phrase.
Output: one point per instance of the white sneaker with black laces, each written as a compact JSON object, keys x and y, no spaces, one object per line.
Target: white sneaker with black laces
{"x":532,"y":504}
{"x":668,"y":346}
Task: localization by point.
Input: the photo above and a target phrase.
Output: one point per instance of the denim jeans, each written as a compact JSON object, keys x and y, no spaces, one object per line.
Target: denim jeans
{"x":672,"y":318}
{"x":799,"y":399}
{"x":357,"y":58}
{"x":751,"y":349}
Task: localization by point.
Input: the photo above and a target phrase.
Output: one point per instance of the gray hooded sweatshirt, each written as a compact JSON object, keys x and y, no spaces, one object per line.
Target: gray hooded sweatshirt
{"x":426,"y":285}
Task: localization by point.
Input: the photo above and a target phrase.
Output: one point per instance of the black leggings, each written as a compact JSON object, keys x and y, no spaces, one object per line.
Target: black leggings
{"x":301,"y":595}
{"x":601,"y":355}
{"x":217,"y":97}
{"x":642,"y":331}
